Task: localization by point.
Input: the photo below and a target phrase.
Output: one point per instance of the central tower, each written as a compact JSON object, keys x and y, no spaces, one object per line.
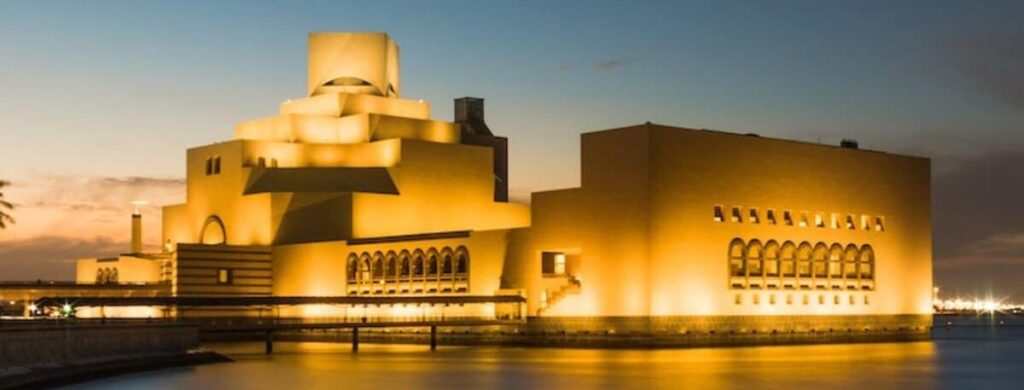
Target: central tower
{"x":359,"y":63}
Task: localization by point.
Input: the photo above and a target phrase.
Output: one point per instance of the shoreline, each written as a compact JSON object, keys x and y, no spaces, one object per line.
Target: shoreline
{"x":53,"y":375}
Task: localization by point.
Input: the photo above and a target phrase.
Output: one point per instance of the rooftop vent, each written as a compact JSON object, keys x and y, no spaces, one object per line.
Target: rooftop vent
{"x":849,"y":143}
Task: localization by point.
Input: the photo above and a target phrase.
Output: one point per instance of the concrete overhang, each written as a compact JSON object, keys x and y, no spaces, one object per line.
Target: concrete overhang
{"x":371,"y":180}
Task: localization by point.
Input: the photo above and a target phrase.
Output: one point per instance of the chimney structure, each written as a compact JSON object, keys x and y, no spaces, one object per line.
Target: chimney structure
{"x":137,"y":226}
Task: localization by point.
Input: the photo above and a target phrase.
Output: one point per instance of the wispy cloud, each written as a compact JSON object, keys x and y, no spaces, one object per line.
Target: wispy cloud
{"x":612,"y":64}
{"x":51,"y":257}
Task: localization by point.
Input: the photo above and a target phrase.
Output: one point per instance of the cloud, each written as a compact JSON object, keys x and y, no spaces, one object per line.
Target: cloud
{"x":979,"y":224}
{"x":612,"y":64}
{"x":51,"y":257}
{"x":87,"y":208}
{"x":993,"y":63}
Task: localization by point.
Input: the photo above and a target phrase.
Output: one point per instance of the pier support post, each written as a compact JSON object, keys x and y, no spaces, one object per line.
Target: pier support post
{"x":269,"y":343}
{"x":433,"y":337}
{"x":355,"y":339}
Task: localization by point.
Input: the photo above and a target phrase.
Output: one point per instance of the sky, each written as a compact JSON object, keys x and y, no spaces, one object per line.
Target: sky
{"x":99,"y":100}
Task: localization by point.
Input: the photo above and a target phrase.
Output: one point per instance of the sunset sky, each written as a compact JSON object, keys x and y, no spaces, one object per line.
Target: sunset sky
{"x":99,"y":100}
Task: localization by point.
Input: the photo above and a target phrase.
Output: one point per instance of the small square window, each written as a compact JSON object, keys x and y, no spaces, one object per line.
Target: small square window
{"x":719,"y":217}
{"x":770,"y":216}
{"x":225,"y":276}
{"x":736,"y":217}
{"x":753,"y":216}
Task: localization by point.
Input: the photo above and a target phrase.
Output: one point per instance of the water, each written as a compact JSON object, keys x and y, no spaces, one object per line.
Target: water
{"x":971,"y":358}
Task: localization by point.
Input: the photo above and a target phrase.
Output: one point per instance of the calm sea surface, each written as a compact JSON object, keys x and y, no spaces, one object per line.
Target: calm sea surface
{"x":960,"y":358}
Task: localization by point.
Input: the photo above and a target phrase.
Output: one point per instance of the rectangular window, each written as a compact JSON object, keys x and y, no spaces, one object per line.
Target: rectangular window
{"x":560,"y":263}
{"x":549,"y":263}
{"x":736,"y":217}
{"x":879,"y":224}
{"x":719,"y":217}
{"x":803,"y":219}
{"x":818,"y":220}
{"x":770,"y":217}
{"x":753,"y":216}
{"x":834,"y":221}
{"x":787,"y":218}
{"x":849,"y":223}
{"x":805,"y":268}
{"x":224,"y":276}
{"x":865,"y":222}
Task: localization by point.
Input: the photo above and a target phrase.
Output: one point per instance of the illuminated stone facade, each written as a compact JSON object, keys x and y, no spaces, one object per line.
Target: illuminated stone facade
{"x":355,"y":191}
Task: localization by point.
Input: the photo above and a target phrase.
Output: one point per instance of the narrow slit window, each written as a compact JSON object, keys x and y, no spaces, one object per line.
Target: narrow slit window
{"x":865,"y":223}
{"x":849,"y":223}
{"x":754,"y":217}
{"x":770,"y":216}
{"x":736,"y":216}
{"x":718,"y":214}
{"x":803,"y":219}
{"x":834,"y":221}
{"x":879,"y":224}
{"x":787,"y":218}
{"x":818,"y":220}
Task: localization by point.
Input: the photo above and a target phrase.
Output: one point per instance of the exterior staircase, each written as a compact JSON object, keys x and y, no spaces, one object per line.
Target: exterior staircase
{"x":571,"y":286}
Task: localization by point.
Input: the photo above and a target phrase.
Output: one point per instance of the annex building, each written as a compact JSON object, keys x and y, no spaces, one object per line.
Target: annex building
{"x":353,"y":190}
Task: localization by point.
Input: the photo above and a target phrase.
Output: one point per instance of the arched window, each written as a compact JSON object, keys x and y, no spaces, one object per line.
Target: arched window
{"x":378,"y":266}
{"x":820,"y":261}
{"x":392,"y":265}
{"x":406,"y":267}
{"x":850,"y":262}
{"x":353,"y":268}
{"x":788,"y":255}
{"x":803,"y":259}
{"x":867,"y":263}
{"x":417,"y":264}
{"x":835,"y":261}
{"x":101,"y":277}
{"x":461,"y":261}
{"x":364,"y":268}
{"x":432,"y":264}
{"x":771,"y":259}
{"x":755,"y":259}
{"x":446,"y":265}
{"x":737,"y":250}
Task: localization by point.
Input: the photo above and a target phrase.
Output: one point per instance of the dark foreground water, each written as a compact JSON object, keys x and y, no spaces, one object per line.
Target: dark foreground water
{"x":960,"y":358}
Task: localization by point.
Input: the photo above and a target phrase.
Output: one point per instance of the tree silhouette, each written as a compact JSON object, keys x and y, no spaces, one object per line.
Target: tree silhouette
{"x":5,"y":205}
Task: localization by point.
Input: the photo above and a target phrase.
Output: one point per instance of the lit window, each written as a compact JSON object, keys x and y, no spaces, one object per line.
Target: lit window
{"x":718,"y":214}
{"x":757,"y":299}
{"x":849,"y":223}
{"x":880,"y":224}
{"x":771,"y":299}
{"x":560,"y":263}
{"x":770,"y":216}
{"x":821,"y":299}
{"x":818,"y":220}
{"x":787,"y":218}
{"x":864,"y":222}
{"x":806,"y":299}
{"x":853,"y":300}
{"x":224,"y":276}
{"x":803,"y":219}
{"x":789,"y":299}
{"x":834,"y":221}
{"x":552,"y":263}
{"x":753,"y":216}
{"x":736,"y":215}
{"x":739,"y":299}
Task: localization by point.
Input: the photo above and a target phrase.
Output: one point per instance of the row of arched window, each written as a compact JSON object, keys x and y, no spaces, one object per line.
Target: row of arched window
{"x":106,"y":276}
{"x":801,"y":219}
{"x":405,"y":272}
{"x":771,"y":265}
